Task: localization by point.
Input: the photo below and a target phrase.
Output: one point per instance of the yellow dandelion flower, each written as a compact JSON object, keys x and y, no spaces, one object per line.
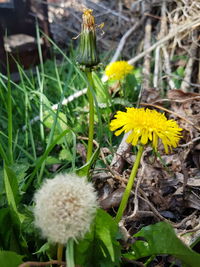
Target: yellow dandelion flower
{"x":145,"y":126}
{"x":118,"y":70}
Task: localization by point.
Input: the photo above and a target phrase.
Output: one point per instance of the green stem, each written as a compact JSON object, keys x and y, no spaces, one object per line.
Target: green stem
{"x":129,"y":186}
{"x":3,"y":154}
{"x":70,"y":253}
{"x":9,"y":110}
{"x":91,"y":114}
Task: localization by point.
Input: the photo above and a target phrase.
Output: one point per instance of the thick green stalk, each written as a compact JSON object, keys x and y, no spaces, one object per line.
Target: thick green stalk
{"x":91,"y":114}
{"x":129,"y":186}
{"x":70,"y":253}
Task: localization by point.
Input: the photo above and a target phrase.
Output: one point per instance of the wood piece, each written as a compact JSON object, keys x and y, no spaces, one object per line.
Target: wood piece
{"x":163,"y":32}
{"x":147,"y":58}
{"x":118,"y":159}
{"x":185,"y":85}
{"x":157,"y":67}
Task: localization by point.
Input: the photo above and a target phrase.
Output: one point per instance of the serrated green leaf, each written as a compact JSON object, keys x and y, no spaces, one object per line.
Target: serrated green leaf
{"x":65,"y":154}
{"x":99,"y":247}
{"x":11,"y":186}
{"x":161,"y":239}
{"x":20,"y":171}
{"x":61,"y":121}
{"x":52,"y":160}
{"x":12,"y":193}
{"x":10,"y":231}
{"x":106,"y":231}
{"x":10,"y":259}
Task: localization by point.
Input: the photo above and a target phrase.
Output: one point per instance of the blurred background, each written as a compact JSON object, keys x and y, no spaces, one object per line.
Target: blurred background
{"x":61,"y":21}
{"x":129,"y":25}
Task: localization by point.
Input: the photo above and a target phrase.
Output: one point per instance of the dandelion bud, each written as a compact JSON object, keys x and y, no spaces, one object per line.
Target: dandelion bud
{"x":87,"y":54}
{"x":65,"y":207}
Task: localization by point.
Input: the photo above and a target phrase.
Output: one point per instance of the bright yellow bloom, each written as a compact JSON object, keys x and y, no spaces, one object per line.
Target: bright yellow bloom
{"x":118,"y":70}
{"x":146,"y":125}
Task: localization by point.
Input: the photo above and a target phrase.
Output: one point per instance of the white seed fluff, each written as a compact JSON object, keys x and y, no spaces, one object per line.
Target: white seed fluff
{"x":65,"y":207}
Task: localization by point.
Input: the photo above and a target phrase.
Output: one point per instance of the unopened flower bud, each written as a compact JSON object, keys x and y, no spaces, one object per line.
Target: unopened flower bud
{"x":87,"y":53}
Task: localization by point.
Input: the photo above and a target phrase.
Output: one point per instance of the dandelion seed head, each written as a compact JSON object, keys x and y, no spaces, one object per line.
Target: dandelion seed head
{"x":65,"y":207}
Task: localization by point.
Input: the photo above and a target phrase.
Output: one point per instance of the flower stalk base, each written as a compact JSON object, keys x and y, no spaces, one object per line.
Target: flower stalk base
{"x":129,"y":186}
{"x":70,"y":253}
{"x":59,"y":252}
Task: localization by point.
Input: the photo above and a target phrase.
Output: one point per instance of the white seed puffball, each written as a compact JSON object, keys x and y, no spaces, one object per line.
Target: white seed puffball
{"x":65,"y":207}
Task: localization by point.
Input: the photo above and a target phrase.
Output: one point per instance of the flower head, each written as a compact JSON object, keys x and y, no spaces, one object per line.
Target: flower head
{"x":118,"y":70}
{"x":65,"y":207}
{"x":146,"y":125}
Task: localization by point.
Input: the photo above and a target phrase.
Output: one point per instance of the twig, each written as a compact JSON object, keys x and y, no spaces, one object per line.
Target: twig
{"x":117,"y":14}
{"x":58,"y":5}
{"x":156,"y":68}
{"x":55,"y":106}
{"x":177,"y":100}
{"x":157,"y":65}
{"x":114,"y":173}
{"x":135,"y":4}
{"x":168,"y":67}
{"x":145,"y":198}
{"x":163,"y":32}
{"x":191,"y":142}
{"x":190,"y":230}
{"x":137,"y":188}
{"x":177,"y":225}
{"x":198,"y":78}
{"x":118,"y":160}
{"x":124,"y":38}
{"x":185,"y":85}
{"x":182,"y":28}
{"x":141,"y":213}
{"x":120,"y":12}
{"x":70,"y":98}
{"x":147,"y":58}
{"x":35,"y":263}
{"x":180,"y":78}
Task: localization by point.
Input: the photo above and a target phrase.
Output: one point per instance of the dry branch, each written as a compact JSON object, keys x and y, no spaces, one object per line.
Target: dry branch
{"x":147,"y":58}
{"x":180,"y":29}
{"x":124,"y":38}
{"x":185,"y":85}
{"x":118,"y":159}
{"x":163,"y":32}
